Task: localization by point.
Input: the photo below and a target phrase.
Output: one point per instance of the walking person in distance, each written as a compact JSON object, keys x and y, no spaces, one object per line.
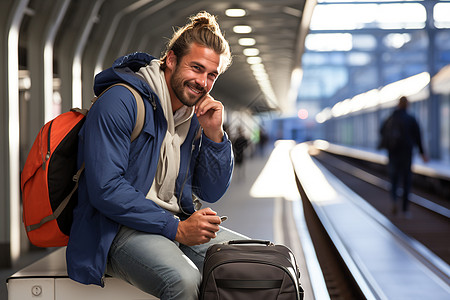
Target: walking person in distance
{"x":400,"y":134}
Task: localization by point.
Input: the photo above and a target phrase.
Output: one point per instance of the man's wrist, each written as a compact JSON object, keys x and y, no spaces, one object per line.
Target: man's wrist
{"x":179,"y":234}
{"x":215,"y":136}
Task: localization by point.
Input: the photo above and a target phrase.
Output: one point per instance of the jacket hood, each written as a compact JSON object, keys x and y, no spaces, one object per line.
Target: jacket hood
{"x":123,"y":70}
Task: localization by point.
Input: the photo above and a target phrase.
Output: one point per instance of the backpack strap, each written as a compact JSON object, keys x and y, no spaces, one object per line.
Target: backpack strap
{"x":140,"y":118}
{"x":61,"y":206}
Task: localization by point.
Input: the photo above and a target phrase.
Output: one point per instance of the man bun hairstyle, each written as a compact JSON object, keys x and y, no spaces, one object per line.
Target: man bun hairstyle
{"x":203,"y":30}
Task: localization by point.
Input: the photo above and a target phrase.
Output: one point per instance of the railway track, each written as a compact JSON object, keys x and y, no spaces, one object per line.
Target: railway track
{"x":429,"y":223}
{"x":360,"y":247}
{"x":339,"y":282}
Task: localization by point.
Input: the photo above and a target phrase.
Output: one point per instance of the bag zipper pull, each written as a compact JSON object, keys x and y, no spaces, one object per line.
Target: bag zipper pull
{"x":47,"y":156}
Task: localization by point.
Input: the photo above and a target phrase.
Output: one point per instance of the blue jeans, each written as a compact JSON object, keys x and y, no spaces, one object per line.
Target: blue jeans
{"x":159,"y":266}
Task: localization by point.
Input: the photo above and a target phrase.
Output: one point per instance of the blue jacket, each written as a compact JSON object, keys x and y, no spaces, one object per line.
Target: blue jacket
{"x":118,"y":174}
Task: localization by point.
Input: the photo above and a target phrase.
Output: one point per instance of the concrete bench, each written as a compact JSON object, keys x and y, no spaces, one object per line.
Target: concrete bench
{"x":47,"y":279}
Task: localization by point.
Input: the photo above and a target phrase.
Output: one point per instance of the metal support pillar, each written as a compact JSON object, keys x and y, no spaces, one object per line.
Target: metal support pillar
{"x":11,"y":221}
{"x":433,"y":103}
{"x":113,"y":17}
{"x":70,"y":49}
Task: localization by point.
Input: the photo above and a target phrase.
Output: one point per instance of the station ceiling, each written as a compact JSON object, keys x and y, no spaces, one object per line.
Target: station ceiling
{"x":117,"y":27}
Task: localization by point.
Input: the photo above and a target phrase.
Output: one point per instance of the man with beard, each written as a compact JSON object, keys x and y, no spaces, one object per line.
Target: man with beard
{"x":138,"y":216}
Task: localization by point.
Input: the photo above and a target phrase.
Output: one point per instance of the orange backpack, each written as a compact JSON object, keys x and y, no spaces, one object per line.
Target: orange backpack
{"x":49,"y":179}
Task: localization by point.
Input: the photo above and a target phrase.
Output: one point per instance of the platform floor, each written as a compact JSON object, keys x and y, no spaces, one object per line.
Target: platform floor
{"x":246,"y":214}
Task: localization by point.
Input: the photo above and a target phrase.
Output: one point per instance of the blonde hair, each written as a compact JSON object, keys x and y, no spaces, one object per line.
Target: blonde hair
{"x":203,"y":30}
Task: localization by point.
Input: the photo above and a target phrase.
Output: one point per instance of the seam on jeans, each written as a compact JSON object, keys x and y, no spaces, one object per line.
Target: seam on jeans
{"x":162,"y":278}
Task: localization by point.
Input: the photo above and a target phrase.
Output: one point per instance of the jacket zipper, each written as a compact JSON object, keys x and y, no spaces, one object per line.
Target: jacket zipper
{"x":152,"y":101}
{"x":187,"y":171}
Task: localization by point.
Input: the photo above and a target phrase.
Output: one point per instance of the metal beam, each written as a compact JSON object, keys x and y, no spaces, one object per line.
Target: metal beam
{"x":13,"y":27}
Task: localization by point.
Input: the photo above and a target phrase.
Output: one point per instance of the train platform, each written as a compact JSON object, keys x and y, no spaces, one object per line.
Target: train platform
{"x":268,"y":199}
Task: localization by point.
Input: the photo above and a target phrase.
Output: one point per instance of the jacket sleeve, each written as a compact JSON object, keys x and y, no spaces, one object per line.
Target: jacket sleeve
{"x":214,"y":168}
{"x":106,"y":147}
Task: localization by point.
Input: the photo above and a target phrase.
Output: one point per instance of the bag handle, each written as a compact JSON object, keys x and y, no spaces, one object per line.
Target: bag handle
{"x":241,"y":242}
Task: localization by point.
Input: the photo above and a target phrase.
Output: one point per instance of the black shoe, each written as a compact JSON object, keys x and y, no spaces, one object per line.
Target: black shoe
{"x":394,"y":209}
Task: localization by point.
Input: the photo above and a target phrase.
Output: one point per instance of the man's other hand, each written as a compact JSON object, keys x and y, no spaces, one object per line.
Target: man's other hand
{"x":199,"y":228}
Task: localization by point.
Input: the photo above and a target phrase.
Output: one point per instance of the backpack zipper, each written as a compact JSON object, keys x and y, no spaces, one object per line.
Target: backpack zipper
{"x":47,"y":155}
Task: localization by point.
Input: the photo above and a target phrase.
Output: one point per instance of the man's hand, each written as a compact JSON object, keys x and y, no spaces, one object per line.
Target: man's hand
{"x":210,"y":115}
{"x":199,"y":228}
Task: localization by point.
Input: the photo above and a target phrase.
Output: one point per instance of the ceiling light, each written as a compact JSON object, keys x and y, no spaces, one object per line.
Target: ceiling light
{"x":257,"y":67}
{"x":261,"y":76}
{"x":252,"y":60}
{"x":251,"y":52}
{"x":235,"y":12}
{"x":242,"y":29}
{"x":247,"y":41}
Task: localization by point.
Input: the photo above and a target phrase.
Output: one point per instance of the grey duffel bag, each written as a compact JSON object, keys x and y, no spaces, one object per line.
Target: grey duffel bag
{"x":250,"y":269}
